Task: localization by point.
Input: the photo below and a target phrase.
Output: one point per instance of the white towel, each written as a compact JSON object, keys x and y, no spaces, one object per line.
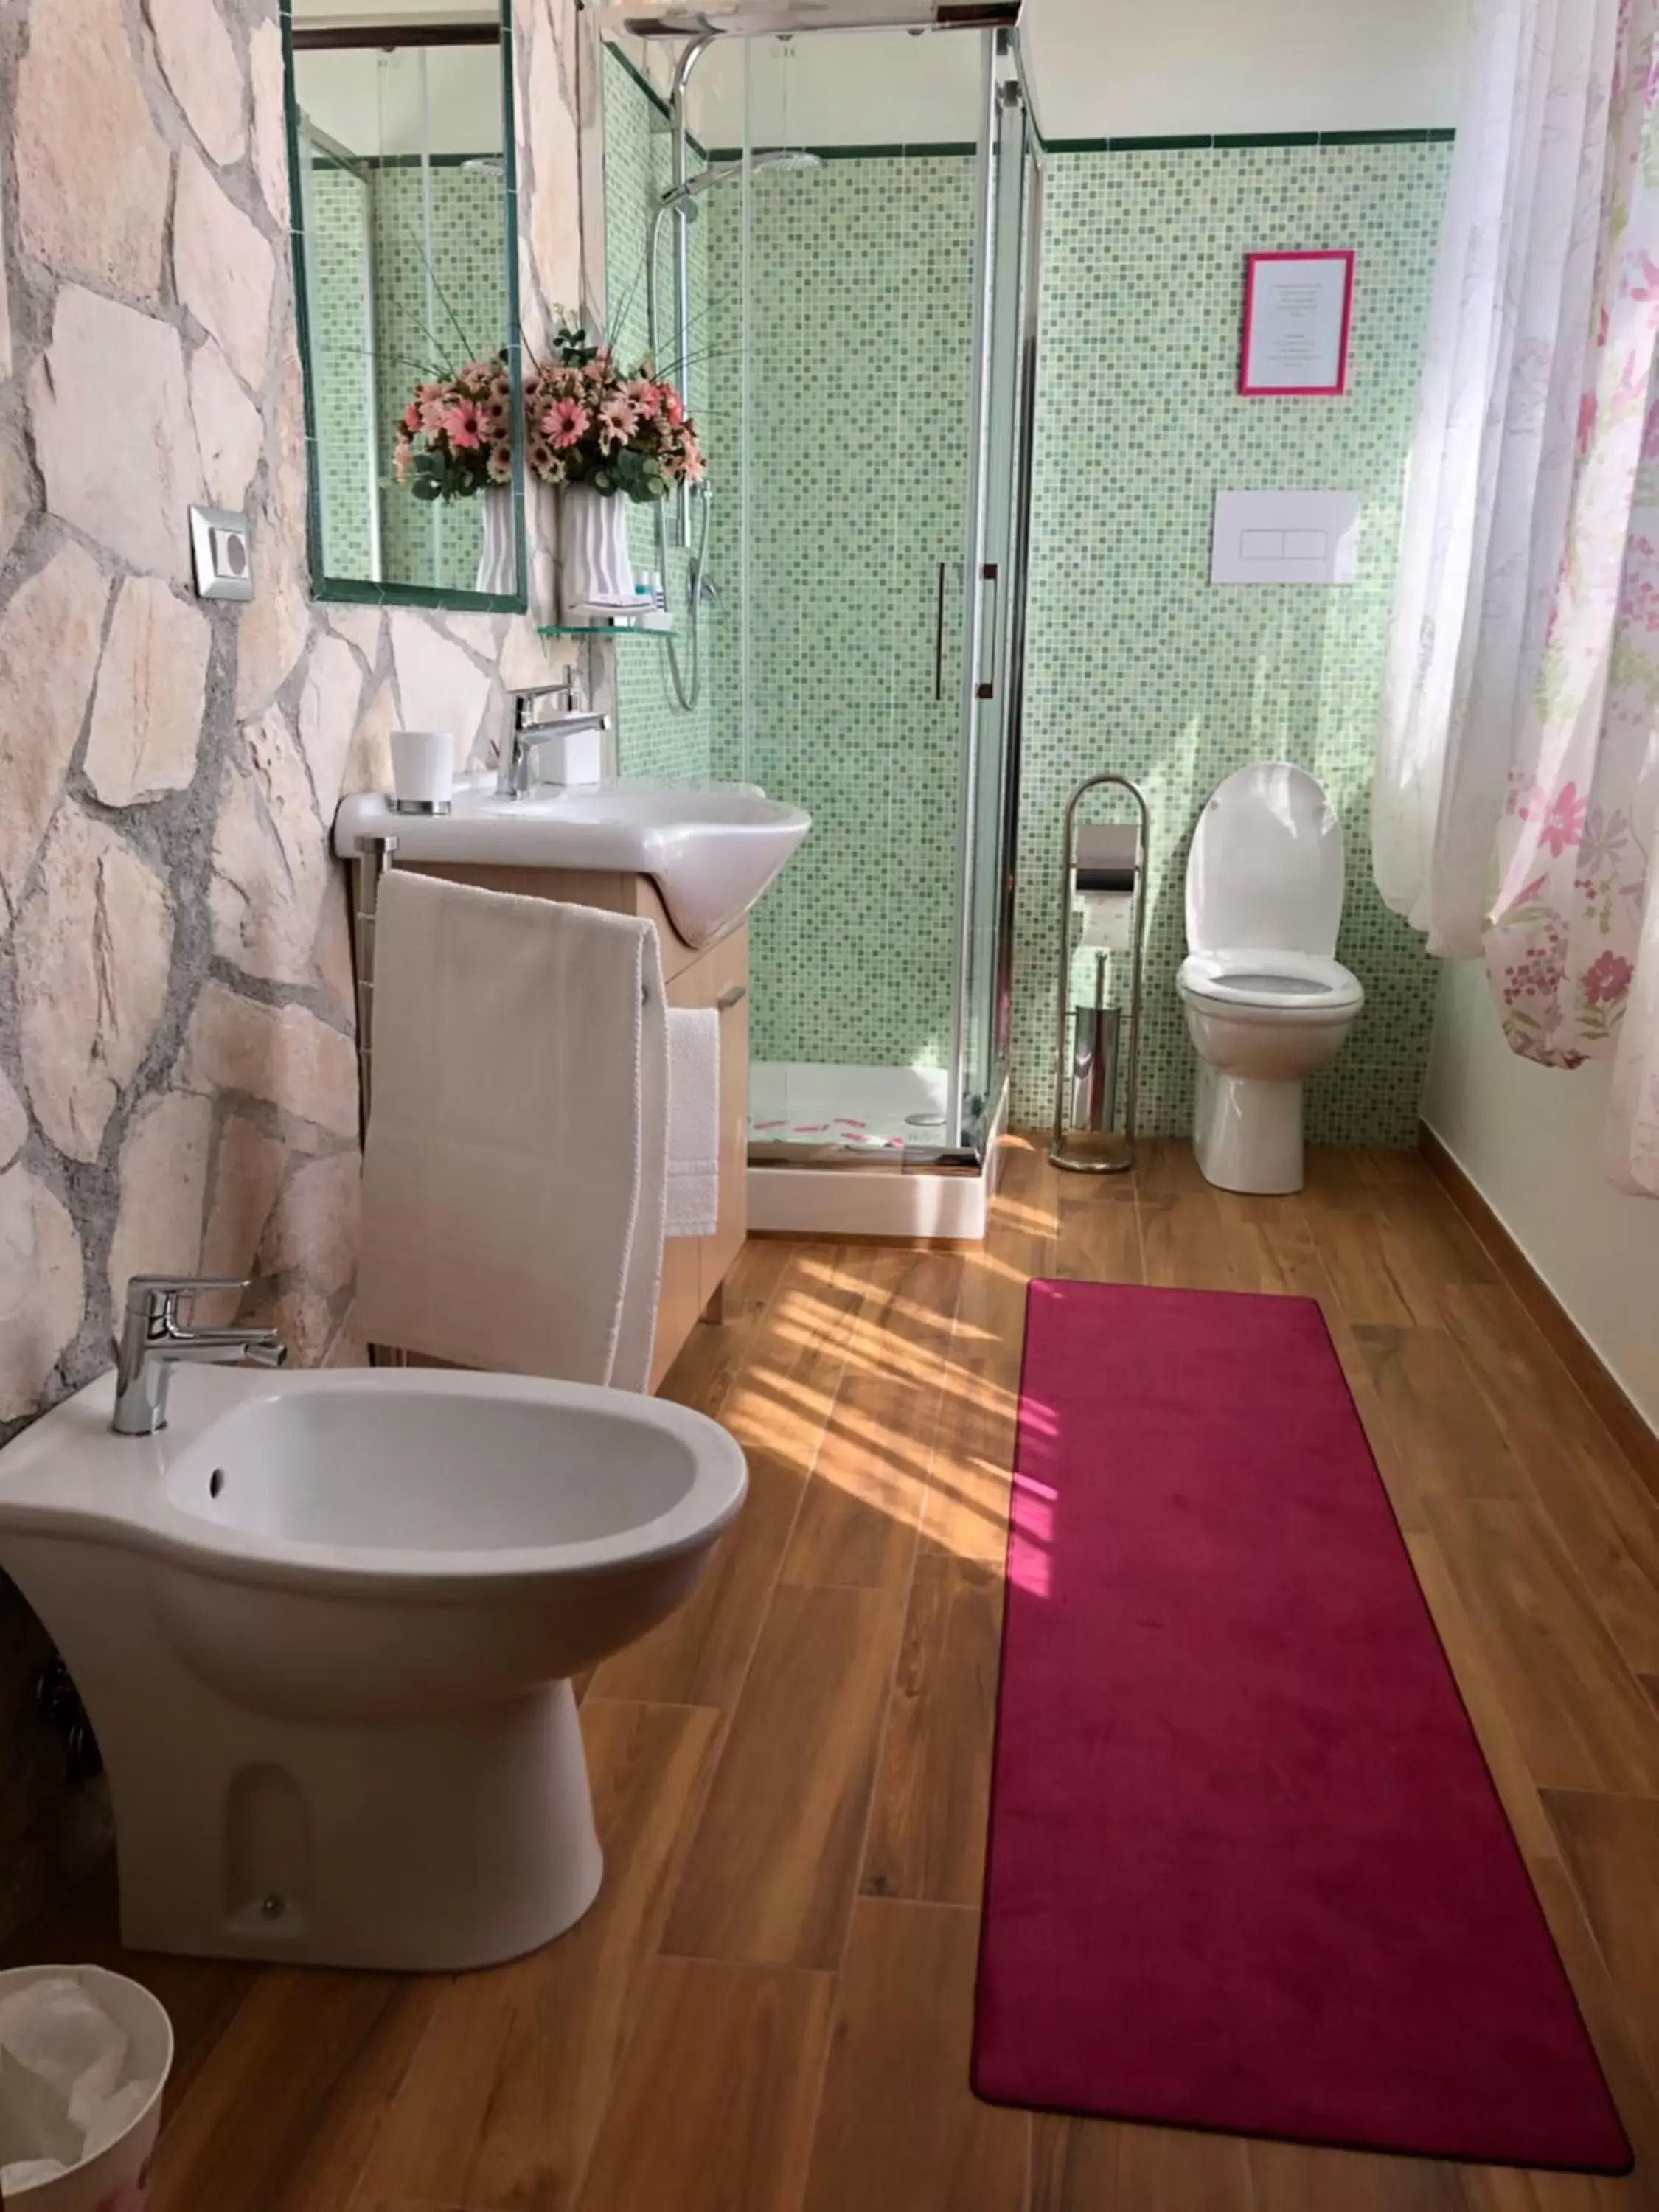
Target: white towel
{"x":515,"y":1172}
{"x":694,"y":1120}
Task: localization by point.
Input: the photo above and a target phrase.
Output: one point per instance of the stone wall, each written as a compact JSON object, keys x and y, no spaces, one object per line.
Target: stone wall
{"x":177,"y":1086}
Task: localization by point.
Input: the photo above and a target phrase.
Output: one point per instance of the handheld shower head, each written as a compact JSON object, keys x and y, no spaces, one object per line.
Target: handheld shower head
{"x":728,"y":172}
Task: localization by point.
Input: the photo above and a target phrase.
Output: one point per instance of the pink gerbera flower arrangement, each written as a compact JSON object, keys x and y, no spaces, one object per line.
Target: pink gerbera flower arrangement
{"x":455,"y":436}
{"x":565,"y":423}
{"x":588,"y":422}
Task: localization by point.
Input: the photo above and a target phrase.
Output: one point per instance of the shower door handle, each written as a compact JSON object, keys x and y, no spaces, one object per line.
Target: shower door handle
{"x":986,"y":688}
{"x":938,"y":637}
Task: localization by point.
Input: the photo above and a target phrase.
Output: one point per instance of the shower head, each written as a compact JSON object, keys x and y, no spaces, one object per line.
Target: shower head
{"x":728,"y":172}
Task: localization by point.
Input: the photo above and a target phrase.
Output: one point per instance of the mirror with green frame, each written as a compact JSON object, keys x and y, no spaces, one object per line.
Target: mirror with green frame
{"x":400,"y":136}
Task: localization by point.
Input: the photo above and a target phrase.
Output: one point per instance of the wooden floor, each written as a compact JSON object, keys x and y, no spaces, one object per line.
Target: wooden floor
{"x":769,"y":2006}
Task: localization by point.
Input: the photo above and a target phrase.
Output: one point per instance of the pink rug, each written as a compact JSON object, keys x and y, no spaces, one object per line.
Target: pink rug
{"x":1248,"y":1871}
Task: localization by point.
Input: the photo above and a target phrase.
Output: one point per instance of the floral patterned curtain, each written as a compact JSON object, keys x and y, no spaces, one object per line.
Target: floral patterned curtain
{"x":1574,"y":897}
{"x":1518,"y":780}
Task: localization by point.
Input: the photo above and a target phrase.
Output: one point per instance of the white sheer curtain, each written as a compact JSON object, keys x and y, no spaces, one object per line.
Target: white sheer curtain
{"x":1516,"y":793}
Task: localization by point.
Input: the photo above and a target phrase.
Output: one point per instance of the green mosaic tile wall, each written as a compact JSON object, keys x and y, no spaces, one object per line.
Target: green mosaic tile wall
{"x":862,"y":337}
{"x":657,"y":737}
{"x":466,"y":319}
{"x":341,"y":349}
{"x":1136,"y":661}
{"x":854,"y":946}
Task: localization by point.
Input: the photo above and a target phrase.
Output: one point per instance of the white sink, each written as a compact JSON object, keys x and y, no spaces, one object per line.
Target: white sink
{"x":710,"y":848}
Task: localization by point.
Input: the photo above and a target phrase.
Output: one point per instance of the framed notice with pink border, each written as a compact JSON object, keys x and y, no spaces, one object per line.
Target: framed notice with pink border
{"x":1298,"y":309}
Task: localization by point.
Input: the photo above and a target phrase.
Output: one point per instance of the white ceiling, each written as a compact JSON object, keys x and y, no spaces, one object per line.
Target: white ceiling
{"x":1106,"y":68}
{"x":376,"y":104}
{"x":1139,"y":68}
{"x":1099,"y":68}
{"x":858,"y":88}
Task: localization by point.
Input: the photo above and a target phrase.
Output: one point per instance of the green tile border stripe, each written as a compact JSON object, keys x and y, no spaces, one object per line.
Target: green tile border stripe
{"x":897,"y":152}
{"x":1434,"y":135}
{"x":1217,"y":140}
{"x":414,"y":160}
{"x":1209,"y":142}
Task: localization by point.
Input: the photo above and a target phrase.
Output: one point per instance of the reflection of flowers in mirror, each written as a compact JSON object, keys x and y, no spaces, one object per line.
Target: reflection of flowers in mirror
{"x":588,"y":422}
{"x":455,"y":436}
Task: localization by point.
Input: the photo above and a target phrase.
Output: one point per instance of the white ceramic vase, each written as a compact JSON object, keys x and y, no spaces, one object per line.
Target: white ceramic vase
{"x":596,"y":571}
{"x":498,"y":568}
{"x":541,"y":522}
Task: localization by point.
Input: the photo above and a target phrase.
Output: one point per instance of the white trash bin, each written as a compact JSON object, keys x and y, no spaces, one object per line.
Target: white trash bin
{"x":115,"y":2179}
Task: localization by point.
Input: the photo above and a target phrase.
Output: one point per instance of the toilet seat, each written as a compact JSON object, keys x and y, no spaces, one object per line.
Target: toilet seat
{"x":1289,"y":985}
{"x":1264,"y":867}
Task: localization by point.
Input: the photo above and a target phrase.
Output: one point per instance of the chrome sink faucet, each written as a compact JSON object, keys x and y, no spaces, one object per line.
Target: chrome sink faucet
{"x":530,"y":726}
{"x":153,"y":1342}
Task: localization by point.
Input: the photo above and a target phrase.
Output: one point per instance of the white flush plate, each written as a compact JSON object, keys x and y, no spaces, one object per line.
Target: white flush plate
{"x":222,"y":553}
{"x":1285,"y":537}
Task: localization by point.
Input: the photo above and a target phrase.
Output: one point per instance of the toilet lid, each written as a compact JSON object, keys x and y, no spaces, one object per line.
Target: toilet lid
{"x":1274,"y":982}
{"x":1266,"y":865}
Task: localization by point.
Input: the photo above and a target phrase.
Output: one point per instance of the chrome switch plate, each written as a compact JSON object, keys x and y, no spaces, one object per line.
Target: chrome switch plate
{"x":222,"y":552}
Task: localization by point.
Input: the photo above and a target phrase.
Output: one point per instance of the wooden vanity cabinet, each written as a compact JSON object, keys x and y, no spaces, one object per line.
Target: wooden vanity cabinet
{"x":693,"y":1267}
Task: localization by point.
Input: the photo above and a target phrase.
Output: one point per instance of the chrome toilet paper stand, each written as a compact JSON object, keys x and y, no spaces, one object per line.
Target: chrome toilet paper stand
{"x":1072,"y":1063}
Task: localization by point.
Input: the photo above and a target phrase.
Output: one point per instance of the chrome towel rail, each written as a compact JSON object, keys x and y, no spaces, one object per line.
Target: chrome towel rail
{"x":369,"y":863}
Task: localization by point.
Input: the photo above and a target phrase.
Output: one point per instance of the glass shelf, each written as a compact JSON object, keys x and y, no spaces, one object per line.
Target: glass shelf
{"x":622,"y":627}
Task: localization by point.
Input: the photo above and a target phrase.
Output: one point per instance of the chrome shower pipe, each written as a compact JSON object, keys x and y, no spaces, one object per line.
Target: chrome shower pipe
{"x":676,"y":204}
{"x":679,"y":176}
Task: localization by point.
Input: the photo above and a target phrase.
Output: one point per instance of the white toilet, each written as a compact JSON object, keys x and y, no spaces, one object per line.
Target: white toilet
{"x":325,"y":1626}
{"x":1267,"y":1002}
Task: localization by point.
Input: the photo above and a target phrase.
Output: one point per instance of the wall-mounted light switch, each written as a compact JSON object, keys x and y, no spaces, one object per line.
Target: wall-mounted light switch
{"x":222,"y":551}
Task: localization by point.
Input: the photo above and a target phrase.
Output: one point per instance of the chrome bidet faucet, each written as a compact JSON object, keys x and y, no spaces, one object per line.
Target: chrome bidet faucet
{"x":152,"y":1343}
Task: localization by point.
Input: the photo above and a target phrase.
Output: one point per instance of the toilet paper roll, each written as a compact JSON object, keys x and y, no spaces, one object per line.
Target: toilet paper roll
{"x":1107,"y":917}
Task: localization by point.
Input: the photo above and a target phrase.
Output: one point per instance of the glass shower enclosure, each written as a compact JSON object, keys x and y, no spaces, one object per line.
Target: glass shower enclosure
{"x":846,"y":290}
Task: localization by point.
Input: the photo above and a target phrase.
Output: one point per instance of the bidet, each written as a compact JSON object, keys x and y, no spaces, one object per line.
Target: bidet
{"x":325,"y":1626}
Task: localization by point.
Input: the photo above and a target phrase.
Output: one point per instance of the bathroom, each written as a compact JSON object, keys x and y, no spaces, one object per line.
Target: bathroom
{"x":939,"y":299}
